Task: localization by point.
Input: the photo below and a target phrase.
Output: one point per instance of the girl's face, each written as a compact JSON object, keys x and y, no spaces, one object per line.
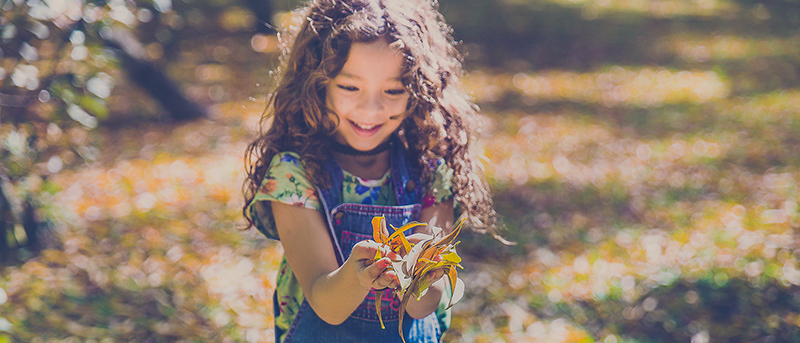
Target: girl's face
{"x":368,"y":95}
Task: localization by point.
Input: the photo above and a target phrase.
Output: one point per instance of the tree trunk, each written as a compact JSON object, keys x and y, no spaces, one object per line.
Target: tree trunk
{"x":145,"y":75}
{"x":6,"y":226}
{"x":31,"y":226}
{"x":262,"y":9}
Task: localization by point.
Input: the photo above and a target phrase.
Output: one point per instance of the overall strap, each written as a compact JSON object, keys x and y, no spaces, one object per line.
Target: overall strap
{"x":329,"y":198}
{"x":407,"y":181}
{"x":333,"y":194}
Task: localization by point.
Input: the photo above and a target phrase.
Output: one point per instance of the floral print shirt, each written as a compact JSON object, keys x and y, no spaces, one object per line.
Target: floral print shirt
{"x":286,"y":182}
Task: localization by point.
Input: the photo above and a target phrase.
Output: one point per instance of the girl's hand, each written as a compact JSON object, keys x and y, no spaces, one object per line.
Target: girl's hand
{"x":371,"y":273}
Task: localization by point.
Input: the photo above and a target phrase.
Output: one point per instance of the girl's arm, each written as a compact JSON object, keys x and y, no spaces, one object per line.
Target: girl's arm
{"x":333,"y":292}
{"x":440,"y":215}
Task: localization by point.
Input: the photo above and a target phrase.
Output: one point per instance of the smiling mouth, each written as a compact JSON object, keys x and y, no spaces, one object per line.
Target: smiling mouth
{"x":365,"y":128}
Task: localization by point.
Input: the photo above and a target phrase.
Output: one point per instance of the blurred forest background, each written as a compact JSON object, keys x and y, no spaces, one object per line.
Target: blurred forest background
{"x":643,"y":153}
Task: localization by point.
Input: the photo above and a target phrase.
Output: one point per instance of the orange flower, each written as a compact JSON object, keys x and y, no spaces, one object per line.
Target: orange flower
{"x":269,"y":186}
{"x":311,"y":194}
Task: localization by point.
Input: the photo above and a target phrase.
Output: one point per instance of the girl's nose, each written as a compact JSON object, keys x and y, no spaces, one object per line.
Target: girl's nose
{"x":371,"y":104}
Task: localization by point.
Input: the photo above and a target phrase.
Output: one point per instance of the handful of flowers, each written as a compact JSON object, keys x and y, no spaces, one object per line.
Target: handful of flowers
{"x":417,"y":261}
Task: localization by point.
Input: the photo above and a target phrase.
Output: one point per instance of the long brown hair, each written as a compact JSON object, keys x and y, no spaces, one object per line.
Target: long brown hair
{"x":441,"y":117}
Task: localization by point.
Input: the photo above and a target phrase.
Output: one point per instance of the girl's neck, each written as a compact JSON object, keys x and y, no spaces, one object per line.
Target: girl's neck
{"x":369,"y":167}
{"x":348,"y":150}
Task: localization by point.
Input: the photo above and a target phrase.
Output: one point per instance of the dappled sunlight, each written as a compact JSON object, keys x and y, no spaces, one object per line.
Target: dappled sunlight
{"x":708,"y":218}
{"x":663,"y":9}
{"x":763,"y":109}
{"x":633,"y":261}
{"x":699,"y":49}
{"x":165,"y":184}
{"x":581,"y":151}
{"x":618,"y":86}
{"x":726,"y":242}
{"x":540,"y":148}
{"x":699,"y":224}
{"x":512,"y":320}
{"x":248,"y":112}
{"x":234,"y":281}
{"x":172,"y":213}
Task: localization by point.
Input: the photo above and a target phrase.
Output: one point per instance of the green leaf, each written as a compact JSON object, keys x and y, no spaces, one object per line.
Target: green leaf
{"x":94,"y":105}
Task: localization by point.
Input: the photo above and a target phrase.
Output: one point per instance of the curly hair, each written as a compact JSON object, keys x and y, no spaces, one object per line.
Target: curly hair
{"x":441,"y":117}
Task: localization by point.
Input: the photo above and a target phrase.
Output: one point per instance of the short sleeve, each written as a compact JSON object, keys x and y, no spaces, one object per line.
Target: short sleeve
{"x":284,"y":182}
{"x":441,"y":184}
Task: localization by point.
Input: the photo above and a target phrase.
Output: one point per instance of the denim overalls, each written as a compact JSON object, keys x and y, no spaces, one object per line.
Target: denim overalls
{"x":349,"y":224}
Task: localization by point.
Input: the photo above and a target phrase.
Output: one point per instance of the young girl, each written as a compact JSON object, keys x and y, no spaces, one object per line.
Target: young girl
{"x":367,"y":120}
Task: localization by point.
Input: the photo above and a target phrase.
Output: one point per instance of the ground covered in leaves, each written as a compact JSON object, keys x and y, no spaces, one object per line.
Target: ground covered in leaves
{"x":652,"y":197}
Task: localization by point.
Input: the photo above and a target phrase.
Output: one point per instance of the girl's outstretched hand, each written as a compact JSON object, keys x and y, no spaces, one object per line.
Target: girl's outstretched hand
{"x":371,"y":273}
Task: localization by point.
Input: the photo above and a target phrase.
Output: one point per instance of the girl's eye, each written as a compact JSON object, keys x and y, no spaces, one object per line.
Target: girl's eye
{"x":347,"y":88}
{"x":398,"y":91}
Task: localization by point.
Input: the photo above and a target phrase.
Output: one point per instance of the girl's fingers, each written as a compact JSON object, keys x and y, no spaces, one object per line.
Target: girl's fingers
{"x":375,"y":270}
{"x":387,"y":280}
{"x":378,"y":274}
{"x":394,"y":284}
{"x":365,"y":250}
{"x":389,"y":277}
{"x":368,"y":249}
